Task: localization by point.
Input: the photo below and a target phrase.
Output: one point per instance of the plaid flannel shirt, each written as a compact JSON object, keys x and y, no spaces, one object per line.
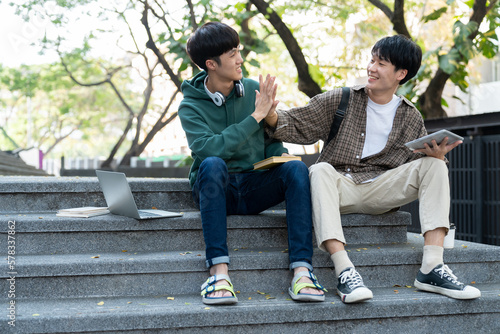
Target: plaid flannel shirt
{"x":308,"y":124}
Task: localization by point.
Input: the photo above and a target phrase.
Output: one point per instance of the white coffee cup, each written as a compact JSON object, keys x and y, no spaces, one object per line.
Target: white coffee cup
{"x":449,"y":240}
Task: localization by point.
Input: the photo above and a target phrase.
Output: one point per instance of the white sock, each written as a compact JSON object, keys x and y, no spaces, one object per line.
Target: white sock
{"x":433,"y":256}
{"x":341,"y":262}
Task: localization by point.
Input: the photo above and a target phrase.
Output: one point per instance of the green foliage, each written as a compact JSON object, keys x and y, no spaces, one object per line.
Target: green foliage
{"x":58,"y":106}
{"x":488,"y":44}
{"x":184,"y":162}
{"x":335,"y":37}
{"x":435,"y":14}
{"x":461,"y":38}
{"x":317,"y":75}
{"x":449,"y":62}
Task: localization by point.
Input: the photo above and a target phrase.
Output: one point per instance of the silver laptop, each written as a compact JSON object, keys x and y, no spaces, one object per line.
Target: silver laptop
{"x":120,"y":200}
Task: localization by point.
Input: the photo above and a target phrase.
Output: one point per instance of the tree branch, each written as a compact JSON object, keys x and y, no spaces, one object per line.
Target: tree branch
{"x":159,"y":123}
{"x":383,"y":7}
{"x":193,"y":16}
{"x":98,"y":83}
{"x":151,"y":45}
{"x":306,"y":83}
{"x":397,"y":17}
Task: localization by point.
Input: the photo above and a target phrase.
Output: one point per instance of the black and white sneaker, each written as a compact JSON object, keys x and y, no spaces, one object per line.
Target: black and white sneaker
{"x":351,"y":288}
{"x":441,"y":280}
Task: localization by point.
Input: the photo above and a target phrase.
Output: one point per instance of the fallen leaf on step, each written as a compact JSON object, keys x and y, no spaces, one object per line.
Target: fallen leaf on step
{"x":36,"y":315}
{"x":124,"y":251}
{"x":249,"y":298}
{"x":100,"y":303}
{"x":408,"y":286}
{"x":269,"y":297}
{"x":40,"y":217}
{"x":170,"y":298}
{"x":207,"y":308}
{"x":473,"y":282}
{"x":261,"y":293}
{"x":187,"y":303}
{"x":396,"y":286}
{"x":464,"y":246}
{"x":396,"y":291}
{"x":154,"y":208}
{"x":95,"y":257}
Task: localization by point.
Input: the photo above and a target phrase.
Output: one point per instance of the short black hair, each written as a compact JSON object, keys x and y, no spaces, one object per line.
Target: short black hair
{"x":400,"y":51}
{"x":210,"y":41}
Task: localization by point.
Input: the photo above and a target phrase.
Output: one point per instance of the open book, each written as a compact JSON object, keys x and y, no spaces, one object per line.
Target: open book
{"x":274,"y":161}
{"x":83,"y":212}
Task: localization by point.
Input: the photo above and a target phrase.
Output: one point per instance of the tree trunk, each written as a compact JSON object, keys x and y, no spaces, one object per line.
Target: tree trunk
{"x":109,"y":160}
{"x":306,"y":83}
{"x":430,"y":100}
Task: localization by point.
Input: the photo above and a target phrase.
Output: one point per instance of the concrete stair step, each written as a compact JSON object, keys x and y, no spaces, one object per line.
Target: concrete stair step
{"x":45,"y":233}
{"x":13,"y":165}
{"x":392,"y":310}
{"x":21,"y":170}
{"x":39,"y":194}
{"x":158,"y":273}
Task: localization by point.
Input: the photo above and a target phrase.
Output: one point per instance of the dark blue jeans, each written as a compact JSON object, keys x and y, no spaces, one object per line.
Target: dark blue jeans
{"x":220,"y":193}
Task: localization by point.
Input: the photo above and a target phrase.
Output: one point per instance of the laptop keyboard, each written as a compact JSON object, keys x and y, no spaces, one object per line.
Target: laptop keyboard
{"x":148,"y":214}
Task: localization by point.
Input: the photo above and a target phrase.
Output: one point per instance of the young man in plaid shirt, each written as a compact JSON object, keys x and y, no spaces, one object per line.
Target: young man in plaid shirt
{"x":367,"y":169}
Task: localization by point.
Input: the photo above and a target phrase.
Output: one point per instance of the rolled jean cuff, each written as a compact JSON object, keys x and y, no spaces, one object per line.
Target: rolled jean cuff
{"x":217,"y":260}
{"x":297,"y":264}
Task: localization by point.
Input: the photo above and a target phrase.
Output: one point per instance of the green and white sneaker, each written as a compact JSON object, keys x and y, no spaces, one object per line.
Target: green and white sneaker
{"x":441,"y":280}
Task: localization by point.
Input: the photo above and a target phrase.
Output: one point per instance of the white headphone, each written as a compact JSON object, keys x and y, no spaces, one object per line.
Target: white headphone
{"x":219,"y":98}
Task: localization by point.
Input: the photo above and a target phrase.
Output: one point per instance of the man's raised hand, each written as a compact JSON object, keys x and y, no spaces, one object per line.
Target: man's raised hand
{"x":265,"y":98}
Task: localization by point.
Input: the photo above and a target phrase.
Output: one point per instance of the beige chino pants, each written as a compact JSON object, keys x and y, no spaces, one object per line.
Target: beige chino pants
{"x":334,"y":194}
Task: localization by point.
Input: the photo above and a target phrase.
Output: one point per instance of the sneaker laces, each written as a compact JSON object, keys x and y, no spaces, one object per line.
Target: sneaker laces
{"x":445,"y":272}
{"x":352,"y":278}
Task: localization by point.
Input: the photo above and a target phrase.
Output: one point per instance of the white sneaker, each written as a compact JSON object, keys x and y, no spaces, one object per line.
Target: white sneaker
{"x":441,"y":280}
{"x":351,"y":288}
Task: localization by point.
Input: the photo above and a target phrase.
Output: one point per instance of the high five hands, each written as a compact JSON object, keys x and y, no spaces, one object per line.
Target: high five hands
{"x":265,"y":99}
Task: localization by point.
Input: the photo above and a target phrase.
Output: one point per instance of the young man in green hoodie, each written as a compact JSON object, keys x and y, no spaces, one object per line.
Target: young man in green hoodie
{"x":225,"y":132}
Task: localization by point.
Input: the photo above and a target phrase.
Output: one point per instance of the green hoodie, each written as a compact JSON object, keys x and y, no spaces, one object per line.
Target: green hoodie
{"x":228,"y":131}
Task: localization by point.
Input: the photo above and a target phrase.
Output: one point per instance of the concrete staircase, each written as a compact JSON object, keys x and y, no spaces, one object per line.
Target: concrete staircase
{"x":13,"y":165}
{"x":118,"y":275}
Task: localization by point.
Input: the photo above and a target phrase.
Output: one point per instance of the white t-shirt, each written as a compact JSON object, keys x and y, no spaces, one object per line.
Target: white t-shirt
{"x":379,"y":119}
